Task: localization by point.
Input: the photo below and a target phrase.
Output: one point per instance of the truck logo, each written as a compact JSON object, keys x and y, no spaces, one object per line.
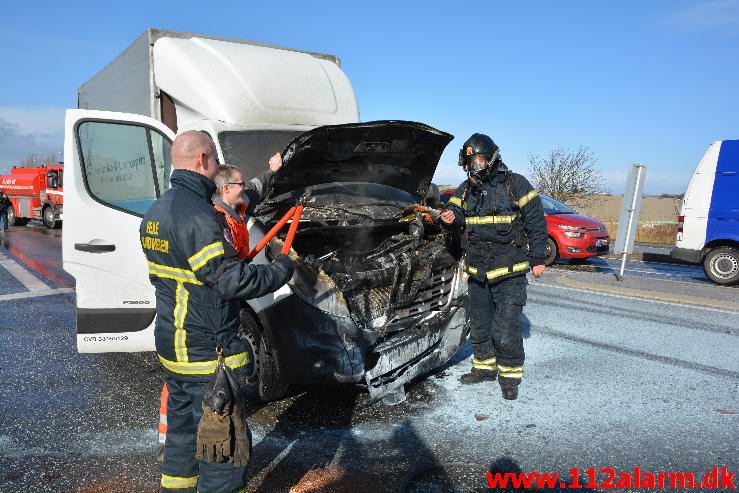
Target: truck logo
{"x":136,"y":302}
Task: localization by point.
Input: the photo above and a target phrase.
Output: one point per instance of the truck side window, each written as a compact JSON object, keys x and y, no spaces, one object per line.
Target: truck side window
{"x":125,"y":166}
{"x":52,"y":179}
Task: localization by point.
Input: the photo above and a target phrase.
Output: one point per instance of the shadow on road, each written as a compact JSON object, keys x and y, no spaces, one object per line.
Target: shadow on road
{"x":316,"y":445}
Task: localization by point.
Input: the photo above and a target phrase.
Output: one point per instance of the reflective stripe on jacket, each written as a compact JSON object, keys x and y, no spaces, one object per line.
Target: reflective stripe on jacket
{"x":198,"y":280}
{"x":500,"y":216}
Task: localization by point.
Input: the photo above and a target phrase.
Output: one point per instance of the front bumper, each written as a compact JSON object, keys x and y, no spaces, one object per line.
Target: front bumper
{"x":314,"y":347}
{"x":687,"y":254}
{"x":588,"y":246}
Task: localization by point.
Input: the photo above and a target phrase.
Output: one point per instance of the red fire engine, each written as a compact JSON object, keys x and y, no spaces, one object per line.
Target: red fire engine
{"x":35,"y":193}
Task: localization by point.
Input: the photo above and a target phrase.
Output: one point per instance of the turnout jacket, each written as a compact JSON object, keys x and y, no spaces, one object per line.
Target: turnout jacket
{"x":501,"y":215}
{"x":198,"y":280}
{"x":4,"y":202}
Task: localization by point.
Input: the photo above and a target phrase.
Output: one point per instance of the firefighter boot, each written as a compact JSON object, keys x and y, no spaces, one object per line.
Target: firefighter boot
{"x":477,"y":375}
{"x":509,"y":387}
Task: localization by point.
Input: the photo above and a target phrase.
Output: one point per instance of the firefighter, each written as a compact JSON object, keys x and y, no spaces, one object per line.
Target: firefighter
{"x":199,"y":282}
{"x":236,"y":199}
{"x":4,"y":206}
{"x":503,"y":218}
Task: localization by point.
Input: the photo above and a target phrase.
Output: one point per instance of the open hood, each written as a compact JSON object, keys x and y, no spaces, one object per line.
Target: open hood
{"x":399,"y":154}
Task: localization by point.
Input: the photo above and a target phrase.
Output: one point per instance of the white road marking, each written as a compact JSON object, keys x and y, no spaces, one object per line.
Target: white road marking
{"x":35,"y":294}
{"x":31,"y":282}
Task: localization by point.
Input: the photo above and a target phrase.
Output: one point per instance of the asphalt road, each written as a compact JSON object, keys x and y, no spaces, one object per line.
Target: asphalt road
{"x":642,"y":373}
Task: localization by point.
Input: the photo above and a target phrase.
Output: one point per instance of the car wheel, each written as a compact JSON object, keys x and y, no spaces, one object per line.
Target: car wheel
{"x":266,"y":376}
{"x":722,"y":265}
{"x":49,"y":220}
{"x":551,"y":252}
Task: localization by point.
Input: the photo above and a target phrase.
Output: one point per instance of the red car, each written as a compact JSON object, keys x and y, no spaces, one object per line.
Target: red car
{"x":571,"y":234}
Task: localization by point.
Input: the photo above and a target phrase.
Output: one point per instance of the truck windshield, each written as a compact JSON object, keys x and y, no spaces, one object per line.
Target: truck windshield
{"x":251,"y":150}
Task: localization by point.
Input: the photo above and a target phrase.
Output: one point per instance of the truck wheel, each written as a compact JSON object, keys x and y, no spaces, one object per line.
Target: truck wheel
{"x":551,"y":252}
{"x":11,"y":216}
{"x":49,"y":220}
{"x":722,"y":265}
{"x":265,"y":377}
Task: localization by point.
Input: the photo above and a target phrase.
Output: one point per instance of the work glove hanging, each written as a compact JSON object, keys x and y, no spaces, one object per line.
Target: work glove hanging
{"x":215,"y":436}
{"x":242,"y":437}
{"x":215,"y":430}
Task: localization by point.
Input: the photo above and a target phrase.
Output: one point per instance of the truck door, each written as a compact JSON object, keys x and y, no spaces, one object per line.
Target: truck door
{"x":117,"y":165}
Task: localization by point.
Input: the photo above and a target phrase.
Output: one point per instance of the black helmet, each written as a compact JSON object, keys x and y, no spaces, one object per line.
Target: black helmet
{"x":478,"y":144}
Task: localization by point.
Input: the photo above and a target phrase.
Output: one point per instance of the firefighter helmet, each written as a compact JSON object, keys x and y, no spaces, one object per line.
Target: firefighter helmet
{"x":478,"y":145}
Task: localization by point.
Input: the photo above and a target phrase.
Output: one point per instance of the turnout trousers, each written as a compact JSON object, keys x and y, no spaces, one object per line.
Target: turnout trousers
{"x":496,"y":331}
{"x":181,"y":471}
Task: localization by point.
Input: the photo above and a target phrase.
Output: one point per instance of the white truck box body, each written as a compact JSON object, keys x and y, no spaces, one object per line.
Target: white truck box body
{"x":230,"y":80}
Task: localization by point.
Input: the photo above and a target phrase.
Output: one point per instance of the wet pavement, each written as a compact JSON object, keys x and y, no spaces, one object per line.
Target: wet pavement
{"x":619,"y":374}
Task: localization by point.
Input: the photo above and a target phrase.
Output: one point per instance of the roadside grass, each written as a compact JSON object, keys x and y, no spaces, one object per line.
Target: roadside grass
{"x":661,"y":232}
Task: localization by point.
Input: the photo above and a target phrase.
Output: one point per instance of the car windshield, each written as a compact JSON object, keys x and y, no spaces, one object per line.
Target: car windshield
{"x":552,"y":206}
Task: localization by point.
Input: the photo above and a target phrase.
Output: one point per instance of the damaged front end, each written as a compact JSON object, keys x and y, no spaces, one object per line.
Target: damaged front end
{"x":378,"y":291}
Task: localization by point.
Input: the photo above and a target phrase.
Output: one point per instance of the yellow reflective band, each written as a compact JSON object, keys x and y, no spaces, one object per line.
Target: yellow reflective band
{"x":492,"y":274}
{"x":179,"y":275}
{"x":484,"y":364}
{"x":208,"y":252}
{"x":457,"y":201}
{"x":175,"y":483}
{"x":510,"y":371}
{"x":527,"y":198}
{"x":203,"y":367}
{"x":180,"y":312}
{"x":490,"y":219}
{"x":471,"y":270}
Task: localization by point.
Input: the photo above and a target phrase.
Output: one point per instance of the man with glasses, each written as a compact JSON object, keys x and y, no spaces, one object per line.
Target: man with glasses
{"x":236,"y":198}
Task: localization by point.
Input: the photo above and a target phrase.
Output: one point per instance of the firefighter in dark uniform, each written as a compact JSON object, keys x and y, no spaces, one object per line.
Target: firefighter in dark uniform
{"x":503,"y":218}
{"x":4,"y":206}
{"x":199,"y":282}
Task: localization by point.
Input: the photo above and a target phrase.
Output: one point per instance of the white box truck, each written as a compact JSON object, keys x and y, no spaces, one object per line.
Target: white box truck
{"x":375,"y":299}
{"x":708,"y":224}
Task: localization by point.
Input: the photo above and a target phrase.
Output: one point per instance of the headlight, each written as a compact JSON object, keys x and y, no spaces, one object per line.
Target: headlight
{"x":573,"y":234}
{"x":571,"y":228}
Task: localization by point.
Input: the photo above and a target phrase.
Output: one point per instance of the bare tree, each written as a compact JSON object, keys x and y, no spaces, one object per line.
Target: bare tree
{"x":566,"y":175}
{"x":37,"y":160}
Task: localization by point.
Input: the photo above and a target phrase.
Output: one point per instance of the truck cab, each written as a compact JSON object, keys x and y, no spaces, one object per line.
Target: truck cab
{"x":255,"y":100}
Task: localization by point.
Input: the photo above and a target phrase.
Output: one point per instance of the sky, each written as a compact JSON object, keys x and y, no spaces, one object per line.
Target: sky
{"x":650,"y":82}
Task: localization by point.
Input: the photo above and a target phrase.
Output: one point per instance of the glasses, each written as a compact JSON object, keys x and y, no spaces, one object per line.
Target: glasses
{"x":242,"y":183}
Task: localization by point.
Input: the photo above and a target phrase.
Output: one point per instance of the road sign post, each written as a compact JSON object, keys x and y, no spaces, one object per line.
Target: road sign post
{"x":628,"y":221}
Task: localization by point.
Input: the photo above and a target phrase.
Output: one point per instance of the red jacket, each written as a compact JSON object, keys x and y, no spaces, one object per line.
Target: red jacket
{"x":237,"y":224}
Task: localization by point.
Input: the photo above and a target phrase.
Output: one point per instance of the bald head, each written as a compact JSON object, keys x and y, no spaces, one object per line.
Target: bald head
{"x":195,"y":151}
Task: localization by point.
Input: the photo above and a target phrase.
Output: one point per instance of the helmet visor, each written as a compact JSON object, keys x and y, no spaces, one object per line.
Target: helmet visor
{"x":477,"y":162}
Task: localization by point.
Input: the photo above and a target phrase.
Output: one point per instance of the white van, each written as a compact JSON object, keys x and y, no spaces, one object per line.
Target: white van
{"x":708,"y":226}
